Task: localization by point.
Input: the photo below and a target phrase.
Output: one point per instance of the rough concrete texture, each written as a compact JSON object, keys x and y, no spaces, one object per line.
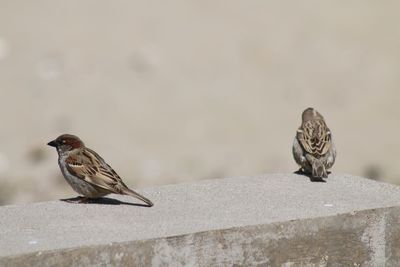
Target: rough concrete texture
{"x":270,"y":220}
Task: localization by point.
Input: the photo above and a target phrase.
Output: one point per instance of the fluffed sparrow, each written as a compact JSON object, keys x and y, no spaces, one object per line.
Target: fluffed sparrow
{"x":86,"y":172}
{"x":313,"y":147}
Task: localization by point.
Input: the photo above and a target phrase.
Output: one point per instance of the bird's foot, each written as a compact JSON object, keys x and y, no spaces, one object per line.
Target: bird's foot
{"x":80,"y":199}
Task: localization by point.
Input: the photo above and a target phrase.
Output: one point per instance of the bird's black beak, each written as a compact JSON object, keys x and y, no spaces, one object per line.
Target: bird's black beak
{"x":52,"y":143}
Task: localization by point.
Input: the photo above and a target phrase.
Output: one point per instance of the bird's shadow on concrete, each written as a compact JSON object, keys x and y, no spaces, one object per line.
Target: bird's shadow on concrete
{"x":102,"y":201}
{"x":312,"y":179}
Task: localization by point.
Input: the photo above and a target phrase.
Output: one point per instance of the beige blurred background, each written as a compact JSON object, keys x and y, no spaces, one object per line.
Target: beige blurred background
{"x":175,"y":91}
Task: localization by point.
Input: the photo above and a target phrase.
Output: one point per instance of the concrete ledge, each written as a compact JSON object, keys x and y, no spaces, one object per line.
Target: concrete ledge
{"x":271,"y":220}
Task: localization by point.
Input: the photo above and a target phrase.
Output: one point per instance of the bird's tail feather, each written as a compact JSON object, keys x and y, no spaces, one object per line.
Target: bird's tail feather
{"x":317,"y":166}
{"x":318,"y":169}
{"x":132,"y":193}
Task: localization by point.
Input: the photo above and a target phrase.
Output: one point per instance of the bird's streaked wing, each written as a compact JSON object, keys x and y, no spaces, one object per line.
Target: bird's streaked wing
{"x":90,"y":167}
{"x":315,"y":137}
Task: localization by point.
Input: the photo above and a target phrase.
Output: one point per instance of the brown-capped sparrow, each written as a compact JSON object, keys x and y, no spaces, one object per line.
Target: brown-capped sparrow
{"x":313,"y":147}
{"x":87,"y":173}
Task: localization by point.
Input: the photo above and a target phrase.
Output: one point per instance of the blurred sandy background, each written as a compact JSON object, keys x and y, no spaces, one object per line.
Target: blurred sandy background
{"x":174,"y":91}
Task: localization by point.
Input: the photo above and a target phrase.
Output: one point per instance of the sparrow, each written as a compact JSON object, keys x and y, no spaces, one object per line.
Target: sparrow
{"x":87,"y":173}
{"x":313,"y":147}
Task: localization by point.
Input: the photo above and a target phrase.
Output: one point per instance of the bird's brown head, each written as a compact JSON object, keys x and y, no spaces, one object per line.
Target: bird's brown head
{"x":311,"y":114}
{"x":66,"y":142}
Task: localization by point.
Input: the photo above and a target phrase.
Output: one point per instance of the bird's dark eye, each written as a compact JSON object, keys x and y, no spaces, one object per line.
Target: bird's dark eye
{"x":63,"y":141}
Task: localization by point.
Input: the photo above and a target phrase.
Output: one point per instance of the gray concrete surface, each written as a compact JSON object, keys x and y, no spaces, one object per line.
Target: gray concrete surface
{"x":272,"y":219}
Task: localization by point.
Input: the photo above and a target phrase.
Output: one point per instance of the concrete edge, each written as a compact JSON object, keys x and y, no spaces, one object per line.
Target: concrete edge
{"x":272,"y":244}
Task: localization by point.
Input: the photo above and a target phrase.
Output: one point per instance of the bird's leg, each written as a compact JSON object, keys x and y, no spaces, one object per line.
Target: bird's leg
{"x":80,"y":199}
